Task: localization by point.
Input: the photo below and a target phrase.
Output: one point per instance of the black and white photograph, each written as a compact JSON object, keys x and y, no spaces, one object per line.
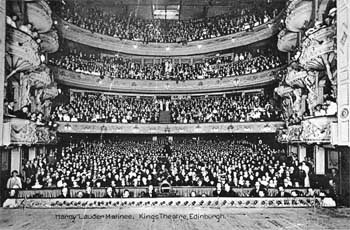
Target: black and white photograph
{"x":174,"y":114}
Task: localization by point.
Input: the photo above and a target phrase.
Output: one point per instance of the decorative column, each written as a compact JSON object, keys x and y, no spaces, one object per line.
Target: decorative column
{"x":2,"y":64}
{"x":16,"y":159}
{"x":32,"y":153}
{"x":301,"y":153}
{"x":320,"y":160}
{"x":343,"y":68}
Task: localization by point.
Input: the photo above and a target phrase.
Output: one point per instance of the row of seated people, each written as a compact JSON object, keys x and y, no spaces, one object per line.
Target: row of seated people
{"x":221,"y":191}
{"x":117,"y":162}
{"x":123,"y":26}
{"x":92,"y":107}
{"x":253,"y":61}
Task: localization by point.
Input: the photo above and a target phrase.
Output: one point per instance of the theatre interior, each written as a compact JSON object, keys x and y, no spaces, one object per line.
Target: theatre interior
{"x":230,"y":112}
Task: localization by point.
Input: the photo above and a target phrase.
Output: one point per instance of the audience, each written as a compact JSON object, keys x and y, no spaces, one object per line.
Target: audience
{"x":112,"y":163}
{"x":165,"y":31}
{"x":93,"y":107}
{"x":102,"y":65}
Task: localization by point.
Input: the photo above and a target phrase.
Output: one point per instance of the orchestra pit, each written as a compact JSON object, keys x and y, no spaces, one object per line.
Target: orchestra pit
{"x":174,"y":114}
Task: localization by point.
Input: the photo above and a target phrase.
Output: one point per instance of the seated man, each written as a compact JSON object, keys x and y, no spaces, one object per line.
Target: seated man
{"x":109,"y":193}
{"x":282,"y":192}
{"x":64,"y":193}
{"x":218,"y":191}
{"x":228,"y":192}
{"x":258,"y":190}
{"x":88,"y":193}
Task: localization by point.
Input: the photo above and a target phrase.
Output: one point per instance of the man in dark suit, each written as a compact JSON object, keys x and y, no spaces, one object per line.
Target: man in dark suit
{"x":228,"y":192}
{"x":218,"y":192}
{"x":282,"y":192}
{"x":109,"y":193}
{"x":257,"y":191}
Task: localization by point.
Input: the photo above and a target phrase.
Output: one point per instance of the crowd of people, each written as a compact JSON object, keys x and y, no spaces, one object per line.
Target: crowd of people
{"x":237,"y":64}
{"x":125,"y":26}
{"x":115,"y":162}
{"x":93,"y":107}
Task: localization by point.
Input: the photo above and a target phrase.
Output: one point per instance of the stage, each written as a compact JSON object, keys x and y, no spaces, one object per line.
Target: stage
{"x":175,"y":218}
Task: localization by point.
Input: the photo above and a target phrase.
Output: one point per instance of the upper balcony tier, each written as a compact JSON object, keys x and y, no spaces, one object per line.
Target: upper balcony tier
{"x":87,"y":81}
{"x":86,"y":37}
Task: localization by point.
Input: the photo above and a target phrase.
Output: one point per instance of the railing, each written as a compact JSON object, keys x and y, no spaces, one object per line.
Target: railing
{"x":119,"y":128}
{"x":191,"y":202}
{"x":25,"y":132}
{"x":164,"y":87}
{"x":178,"y":191}
{"x":311,"y":130}
{"x":83,"y":36}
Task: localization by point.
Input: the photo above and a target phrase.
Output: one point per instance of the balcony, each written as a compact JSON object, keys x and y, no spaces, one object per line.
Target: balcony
{"x":83,"y":36}
{"x":39,"y":15}
{"x":164,"y":87}
{"x":26,"y":132}
{"x":287,"y":41}
{"x":21,"y":50}
{"x":311,"y":130}
{"x":298,"y":15}
{"x":119,"y":128}
{"x":318,"y":48}
{"x":49,"y":42}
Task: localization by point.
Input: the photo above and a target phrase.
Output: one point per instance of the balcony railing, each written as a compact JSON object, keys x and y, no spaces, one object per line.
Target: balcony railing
{"x":135,"y":128}
{"x":168,"y":202}
{"x":164,"y":87}
{"x":311,"y":130}
{"x":83,"y":36}
{"x":25,"y":132}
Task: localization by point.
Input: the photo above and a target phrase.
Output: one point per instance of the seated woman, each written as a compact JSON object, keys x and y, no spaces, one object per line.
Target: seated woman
{"x":126,"y":194}
{"x":64,"y":193}
{"x":80,"y":194}
{"x":109,"y":193}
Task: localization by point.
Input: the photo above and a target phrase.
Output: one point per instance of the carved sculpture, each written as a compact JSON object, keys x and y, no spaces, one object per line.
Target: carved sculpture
{"x":23,"y":132}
